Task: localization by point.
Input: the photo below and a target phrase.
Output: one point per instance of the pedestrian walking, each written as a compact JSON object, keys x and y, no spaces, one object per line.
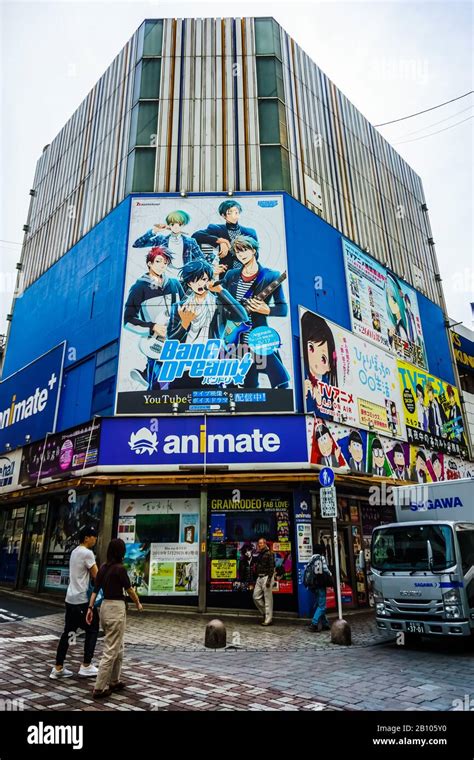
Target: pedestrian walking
{"x":317,"y":577}
{"x":82,"y":568}
{"x":112,"y":578}
{"x":262,"y":593}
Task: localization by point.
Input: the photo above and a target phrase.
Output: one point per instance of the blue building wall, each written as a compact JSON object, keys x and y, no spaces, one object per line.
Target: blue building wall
{"x":80,"y":300}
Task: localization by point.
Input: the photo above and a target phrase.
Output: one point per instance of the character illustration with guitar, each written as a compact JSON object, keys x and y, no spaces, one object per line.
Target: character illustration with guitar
{"x":148,"y":309}
{"x":253,"y":285}
{"x":171,"y":236}
{"x":202,"y":315}
{"x":220,"y":237}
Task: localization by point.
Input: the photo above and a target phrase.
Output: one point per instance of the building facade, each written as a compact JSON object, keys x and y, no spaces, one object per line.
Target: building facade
{"x":215,"y":151}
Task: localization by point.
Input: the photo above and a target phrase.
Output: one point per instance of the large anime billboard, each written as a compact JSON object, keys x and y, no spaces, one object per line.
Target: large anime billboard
{"x":206,"y":318}
{"x":383,"y":309}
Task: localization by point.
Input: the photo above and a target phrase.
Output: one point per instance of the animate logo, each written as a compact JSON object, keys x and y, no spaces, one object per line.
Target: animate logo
{"x":27,"y":407}
{"x":143,"y":441}
{"x":446,"y":503}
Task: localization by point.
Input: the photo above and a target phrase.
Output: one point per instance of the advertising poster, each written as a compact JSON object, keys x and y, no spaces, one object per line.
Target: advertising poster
{"x":325,"y":449}
{"x":236,"y":523}
{"x":71,"y":512}
{"x":61,"y":454}
{"x":432,"y":411}
{"x":384,"y":310}
{"x":162,"y":539}
{"x":206,"y":317}
{"x":29,"y":399}
{"x":346,"y":379}
{"x":10,"y":470}
{"x":397,"y":454}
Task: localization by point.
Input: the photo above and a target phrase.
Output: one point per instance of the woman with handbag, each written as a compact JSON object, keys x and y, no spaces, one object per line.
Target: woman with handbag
{"x":112,"y":578}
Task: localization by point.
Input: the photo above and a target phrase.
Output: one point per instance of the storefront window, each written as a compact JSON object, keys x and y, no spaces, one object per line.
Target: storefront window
{"x":34,"y":540}
{"x":235,"y":526}
{"x":162,"y":540}
{"x":11,"y":532}
{"x":67,"y":519}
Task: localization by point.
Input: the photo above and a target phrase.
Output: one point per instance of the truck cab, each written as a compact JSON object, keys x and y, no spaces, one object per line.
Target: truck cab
{"x":422,"y":566}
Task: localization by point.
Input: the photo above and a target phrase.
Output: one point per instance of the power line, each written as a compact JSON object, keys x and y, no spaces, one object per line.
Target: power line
{"x":435,"y":124}
{"x":435,"y":133}
{"x":10,"y":242}
{"x":384,"y":124}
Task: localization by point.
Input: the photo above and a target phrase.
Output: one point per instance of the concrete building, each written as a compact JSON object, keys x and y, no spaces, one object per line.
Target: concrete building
{"x":214,"y":152}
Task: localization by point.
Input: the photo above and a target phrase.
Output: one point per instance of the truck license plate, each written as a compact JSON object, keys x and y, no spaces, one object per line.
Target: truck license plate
{"x":415,"y":628}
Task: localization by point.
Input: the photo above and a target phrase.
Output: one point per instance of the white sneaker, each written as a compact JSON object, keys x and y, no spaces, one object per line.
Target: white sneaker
{"x":64,"y":673}
{"x":88,"y":672}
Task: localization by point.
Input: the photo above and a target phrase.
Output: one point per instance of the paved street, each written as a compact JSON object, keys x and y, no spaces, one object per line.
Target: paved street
{"x":285,"y":667}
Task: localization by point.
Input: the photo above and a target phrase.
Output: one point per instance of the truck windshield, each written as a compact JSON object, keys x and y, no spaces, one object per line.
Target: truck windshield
{"x":406,"y":548}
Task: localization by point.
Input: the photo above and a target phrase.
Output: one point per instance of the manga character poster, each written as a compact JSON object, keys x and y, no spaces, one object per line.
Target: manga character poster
{"x":206,"y":317}
{"x":348,"y":380}
{"x":383,"y":309}
{"x":432,"y":411}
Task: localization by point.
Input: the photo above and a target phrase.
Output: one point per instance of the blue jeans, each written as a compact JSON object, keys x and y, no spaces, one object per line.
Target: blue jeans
{"x":320,"y":610}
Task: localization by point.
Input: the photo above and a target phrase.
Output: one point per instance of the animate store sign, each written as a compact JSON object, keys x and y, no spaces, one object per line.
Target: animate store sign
{"x":239,"y":442}
{"x":29,"y":400}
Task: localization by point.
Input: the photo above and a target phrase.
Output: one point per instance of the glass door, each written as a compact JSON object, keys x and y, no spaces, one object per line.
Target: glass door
{"x":33,"y":543}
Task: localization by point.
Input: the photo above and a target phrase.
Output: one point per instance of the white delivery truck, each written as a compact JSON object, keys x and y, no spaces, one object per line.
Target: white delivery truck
{"x":422,"y":566}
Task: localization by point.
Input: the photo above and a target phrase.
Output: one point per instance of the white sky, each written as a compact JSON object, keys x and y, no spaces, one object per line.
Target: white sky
{"x":389,"y":58}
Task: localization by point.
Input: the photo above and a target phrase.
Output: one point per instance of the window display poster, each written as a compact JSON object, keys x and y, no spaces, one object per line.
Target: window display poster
{"x":71,"y":512}
{"x":347,"y":379}
{"x":432,"y":411}
{"x":162,"y":538}
{"x":383,"y":308}
{"x":236,"y":522}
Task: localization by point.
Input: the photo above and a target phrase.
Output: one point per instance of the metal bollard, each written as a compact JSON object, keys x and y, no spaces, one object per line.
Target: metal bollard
{"x":216,"y":635}
{"x":341,"y":633}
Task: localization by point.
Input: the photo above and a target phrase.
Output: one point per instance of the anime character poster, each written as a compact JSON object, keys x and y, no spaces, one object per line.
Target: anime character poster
{"x":346,"y":379}
{"x":206,"y":314}
{"x":325,"y":449}
{"x":432,"y":411}
{"x":377,"y":460}
{"x":383,"y":309}
{"x":353,"y":446}
{"x":397,"y":454}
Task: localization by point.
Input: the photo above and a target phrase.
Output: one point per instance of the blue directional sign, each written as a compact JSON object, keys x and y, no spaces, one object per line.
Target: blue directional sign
{"x":326,"y":477}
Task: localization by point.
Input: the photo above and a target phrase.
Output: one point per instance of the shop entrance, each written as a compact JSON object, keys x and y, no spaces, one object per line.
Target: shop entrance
{"x":34,"y":537}
{"x":11,"y":531}
{"x":236,"y":520}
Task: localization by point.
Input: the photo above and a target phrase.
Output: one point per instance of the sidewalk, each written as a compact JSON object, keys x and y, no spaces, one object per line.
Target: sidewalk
{"x":27,"y":650}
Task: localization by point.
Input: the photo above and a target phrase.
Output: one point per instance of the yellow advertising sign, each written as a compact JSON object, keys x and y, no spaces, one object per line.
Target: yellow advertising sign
{"x":223,"y":569}
{"x":432,"y":410}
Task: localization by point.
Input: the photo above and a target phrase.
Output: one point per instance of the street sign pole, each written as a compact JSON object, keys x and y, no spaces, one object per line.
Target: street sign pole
{"x":338,"y":572}
{"x":328,"y":501}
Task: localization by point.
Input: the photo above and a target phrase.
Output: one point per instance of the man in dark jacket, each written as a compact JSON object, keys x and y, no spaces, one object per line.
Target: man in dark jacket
{"x":222,"y":235}
{"x":262,"y":594}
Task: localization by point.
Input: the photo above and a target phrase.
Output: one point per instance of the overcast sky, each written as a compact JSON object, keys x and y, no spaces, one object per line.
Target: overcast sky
{"x":389,"y":58}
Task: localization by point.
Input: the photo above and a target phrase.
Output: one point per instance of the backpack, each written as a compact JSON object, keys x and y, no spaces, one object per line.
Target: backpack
{"x":314,"y":575}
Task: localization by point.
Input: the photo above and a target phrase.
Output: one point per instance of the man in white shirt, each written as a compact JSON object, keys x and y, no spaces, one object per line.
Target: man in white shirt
{"x":82,"y":568}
